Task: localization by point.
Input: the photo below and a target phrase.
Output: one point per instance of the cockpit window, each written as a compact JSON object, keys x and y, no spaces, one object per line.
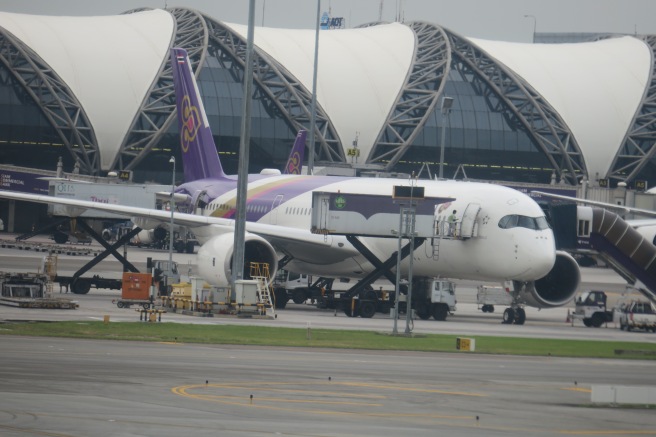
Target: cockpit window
{"x":522,"y":221}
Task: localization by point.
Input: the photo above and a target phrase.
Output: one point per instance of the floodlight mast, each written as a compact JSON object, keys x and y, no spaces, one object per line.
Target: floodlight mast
{"x":244,"y":146}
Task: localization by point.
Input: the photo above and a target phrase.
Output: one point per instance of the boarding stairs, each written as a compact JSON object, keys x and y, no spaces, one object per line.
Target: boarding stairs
{"x":464,"y":228}
{"x":260,"y":273}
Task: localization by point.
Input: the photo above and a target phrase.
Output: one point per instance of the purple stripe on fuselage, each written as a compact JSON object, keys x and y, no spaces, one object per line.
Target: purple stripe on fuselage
{"x":261,"y":198}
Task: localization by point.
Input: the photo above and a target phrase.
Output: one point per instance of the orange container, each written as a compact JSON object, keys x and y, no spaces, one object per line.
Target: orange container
{"x":136,"y":286}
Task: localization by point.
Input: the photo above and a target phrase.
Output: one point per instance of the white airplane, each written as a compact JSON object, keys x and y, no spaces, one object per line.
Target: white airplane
{"x":513,"y":241}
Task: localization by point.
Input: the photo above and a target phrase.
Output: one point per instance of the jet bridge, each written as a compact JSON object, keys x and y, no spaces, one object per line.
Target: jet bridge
{"x":366,"y":215}
{"x":598,"y":230}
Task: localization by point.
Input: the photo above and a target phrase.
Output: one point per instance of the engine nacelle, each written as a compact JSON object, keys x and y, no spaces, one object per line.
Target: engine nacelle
{"x":215,"y":258}
{"x":556,"y":288}
{"x":149,"y":236}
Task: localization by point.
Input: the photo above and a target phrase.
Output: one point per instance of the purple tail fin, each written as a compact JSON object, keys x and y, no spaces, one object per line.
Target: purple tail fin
{"x":199,"y":156}
{"x":295,"y":161}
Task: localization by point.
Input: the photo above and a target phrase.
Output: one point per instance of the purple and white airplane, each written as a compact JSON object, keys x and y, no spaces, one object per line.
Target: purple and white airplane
{"x":512,"y":242}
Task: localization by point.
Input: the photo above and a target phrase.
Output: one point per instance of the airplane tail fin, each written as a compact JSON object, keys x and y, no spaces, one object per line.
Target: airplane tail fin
{"x":199,"y":155}
{"x":295,"y":161}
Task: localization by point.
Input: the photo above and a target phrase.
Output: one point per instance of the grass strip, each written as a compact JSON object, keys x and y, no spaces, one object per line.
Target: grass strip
{"x":328,"y":338}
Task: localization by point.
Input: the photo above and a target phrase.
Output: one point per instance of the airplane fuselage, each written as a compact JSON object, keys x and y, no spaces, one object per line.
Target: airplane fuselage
{"x":524,"y":251}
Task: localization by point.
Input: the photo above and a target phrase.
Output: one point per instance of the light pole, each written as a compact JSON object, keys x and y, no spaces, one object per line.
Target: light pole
{"x":535,"y":23}
{"x":313,"y":102}
{"x":172,"y":206}
{"x":445,"y":107}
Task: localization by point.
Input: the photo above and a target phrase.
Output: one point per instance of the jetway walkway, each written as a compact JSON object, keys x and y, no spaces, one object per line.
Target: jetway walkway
{"x":620,"y":245}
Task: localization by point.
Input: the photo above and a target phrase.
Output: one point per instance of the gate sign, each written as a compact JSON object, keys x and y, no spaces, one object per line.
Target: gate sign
{"x":369,"y":215}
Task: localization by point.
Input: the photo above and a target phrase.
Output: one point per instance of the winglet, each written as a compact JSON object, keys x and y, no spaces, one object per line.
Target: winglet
{"x":295,"y":161}
{"x":199,"y":155}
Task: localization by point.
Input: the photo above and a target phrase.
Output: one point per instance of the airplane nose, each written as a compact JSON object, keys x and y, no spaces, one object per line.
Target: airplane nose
{"x":537,"y":256}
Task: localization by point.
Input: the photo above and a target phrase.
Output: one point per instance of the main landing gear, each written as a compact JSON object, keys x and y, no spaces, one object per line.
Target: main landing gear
{"x":515,"y":315}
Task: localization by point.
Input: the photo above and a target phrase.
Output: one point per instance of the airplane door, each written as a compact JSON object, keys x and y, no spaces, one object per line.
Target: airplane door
{"x":274,"y":209}
{"x":199,"y":202}
{"x":468,"y":228}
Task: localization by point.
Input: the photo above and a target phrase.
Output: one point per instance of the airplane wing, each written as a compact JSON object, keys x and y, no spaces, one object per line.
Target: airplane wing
{"x":621,"y":208}
{"x":301,"y":243}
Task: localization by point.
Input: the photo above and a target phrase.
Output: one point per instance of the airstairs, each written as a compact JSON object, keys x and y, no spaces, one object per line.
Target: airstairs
{"x":260,"y":273}
{"x":464,"y":228}
{"x":633,"y":257}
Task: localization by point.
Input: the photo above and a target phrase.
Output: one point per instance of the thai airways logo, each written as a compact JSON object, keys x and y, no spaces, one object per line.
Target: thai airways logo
{"x":190,"y":123}
{"x":340,"y":202}
{"x":294,"y":164}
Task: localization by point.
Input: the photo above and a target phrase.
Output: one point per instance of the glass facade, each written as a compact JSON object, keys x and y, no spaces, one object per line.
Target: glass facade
{"x":478,"y":138}
{"x":26,"y":137}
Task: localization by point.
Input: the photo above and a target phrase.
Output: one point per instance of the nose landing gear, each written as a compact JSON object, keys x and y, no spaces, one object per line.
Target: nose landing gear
{"x":515,"y":315}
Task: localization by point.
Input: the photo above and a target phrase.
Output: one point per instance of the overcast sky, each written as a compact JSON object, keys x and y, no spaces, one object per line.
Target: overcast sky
{"x":490,"y":19}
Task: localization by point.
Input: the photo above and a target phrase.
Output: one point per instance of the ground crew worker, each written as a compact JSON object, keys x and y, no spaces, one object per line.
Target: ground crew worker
{"x":453,"y":219}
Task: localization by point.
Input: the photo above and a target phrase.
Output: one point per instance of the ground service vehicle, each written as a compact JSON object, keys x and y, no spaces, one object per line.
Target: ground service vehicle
{"x":433,"y":297}
{"x":591,"y":309}
{"x":82,"y":285}
{"x":299,"y":288}
{"x":488,"y":297}
{"x":430,"y":297}
{"x":637,"y":315}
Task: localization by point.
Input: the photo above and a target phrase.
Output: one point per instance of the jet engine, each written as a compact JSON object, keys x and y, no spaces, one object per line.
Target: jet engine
{"x":149,"y":236}
{"x":556,"y":288}
{"x":215,"y":258}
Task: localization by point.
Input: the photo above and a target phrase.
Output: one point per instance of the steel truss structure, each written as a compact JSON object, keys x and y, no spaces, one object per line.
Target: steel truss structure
{"x":417,"y":99}
{"x":437,"y":52}
{"x":639,"y":144}
{"x":522,"y":107}
{"x":157,"y":111}
{"x":54,"y":98}
{"x":281,"y":93}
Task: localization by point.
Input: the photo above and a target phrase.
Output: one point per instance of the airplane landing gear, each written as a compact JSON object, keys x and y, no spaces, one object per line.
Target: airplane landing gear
{"x":514,"y":315}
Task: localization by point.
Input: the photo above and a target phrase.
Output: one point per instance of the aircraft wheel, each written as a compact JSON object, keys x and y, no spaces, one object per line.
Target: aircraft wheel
{"x":60,"y":237}
{"x":119,"y":304}
{"x":508,"y":316}
{"x":367,"y":310}
{"x":440,"y":311}
{"x":280,"y":294}
{"x":423,"y":313}
{"x":299,"y":296}
{"x":349,"y":312}
{"x":597,"y":320}
{"x":520,"y":316}
{"x":81,"y":286}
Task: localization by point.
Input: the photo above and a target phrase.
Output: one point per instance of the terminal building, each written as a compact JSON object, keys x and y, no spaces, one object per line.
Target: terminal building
{"x":97,"y":92}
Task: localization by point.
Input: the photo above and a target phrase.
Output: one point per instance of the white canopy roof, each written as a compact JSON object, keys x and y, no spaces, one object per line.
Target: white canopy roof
{"x":596,"y":87}
{"x":360,"y":74}
{"x":108,"y":62}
